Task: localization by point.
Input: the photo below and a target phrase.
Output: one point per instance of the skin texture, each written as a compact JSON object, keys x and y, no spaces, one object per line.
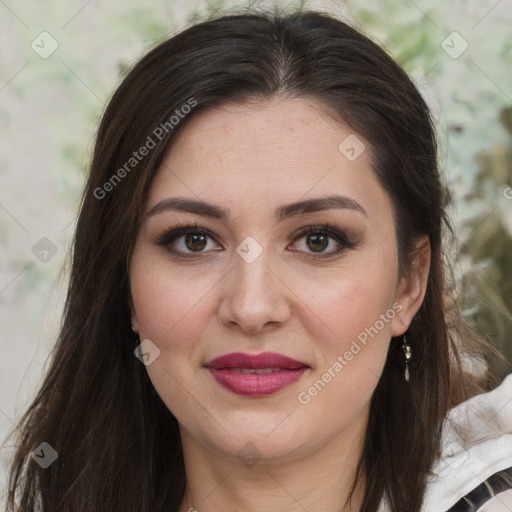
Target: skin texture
{"x":292,"y":299}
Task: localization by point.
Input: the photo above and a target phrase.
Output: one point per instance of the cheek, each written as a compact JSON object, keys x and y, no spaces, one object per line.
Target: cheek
{"x":169,"y":303}
{"x":353,"y":303}
{"x":357,"y":314}
{"x":171,"y":310}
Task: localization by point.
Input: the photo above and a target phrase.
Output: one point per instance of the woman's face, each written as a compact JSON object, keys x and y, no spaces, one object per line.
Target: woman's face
{"x":250,"y":281}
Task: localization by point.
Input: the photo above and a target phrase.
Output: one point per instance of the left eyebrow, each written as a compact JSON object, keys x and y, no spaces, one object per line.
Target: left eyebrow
{"x":283,"y":212}
{"x":317,"y":205}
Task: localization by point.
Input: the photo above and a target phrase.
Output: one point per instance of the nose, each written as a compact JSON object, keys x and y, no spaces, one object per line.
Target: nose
{"x":255,"y":298}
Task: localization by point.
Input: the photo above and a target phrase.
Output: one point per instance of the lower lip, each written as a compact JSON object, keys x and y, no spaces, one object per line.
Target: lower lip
{"x":252,"y":384}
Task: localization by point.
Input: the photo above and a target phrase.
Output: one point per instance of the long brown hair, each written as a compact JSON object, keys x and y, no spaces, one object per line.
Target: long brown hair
{"x":118,"y":445}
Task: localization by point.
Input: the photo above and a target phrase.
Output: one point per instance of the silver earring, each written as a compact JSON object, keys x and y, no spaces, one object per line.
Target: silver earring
{"x":134,"y":329}
{"x":407,"y":354}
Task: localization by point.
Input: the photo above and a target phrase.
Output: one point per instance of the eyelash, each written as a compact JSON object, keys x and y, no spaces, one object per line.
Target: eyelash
{"x":180,"y":229}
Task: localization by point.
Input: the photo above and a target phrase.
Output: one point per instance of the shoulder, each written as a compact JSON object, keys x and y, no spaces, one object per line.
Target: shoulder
{"x":494,"y":492}
{"x":500,"y":503}
{"x":477,"y":444}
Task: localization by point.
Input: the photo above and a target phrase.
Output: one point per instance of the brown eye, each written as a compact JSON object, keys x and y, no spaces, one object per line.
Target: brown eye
{"x":195,"y":242}
{"x":317,"y":243}
{"x":318,"y":240}
{"x":186,"y":240}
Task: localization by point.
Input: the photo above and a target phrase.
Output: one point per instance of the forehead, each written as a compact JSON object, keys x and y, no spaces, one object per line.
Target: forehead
{"x":269,"y":154}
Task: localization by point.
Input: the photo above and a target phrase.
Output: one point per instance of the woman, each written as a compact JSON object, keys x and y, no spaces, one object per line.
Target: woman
{"x":257,"y":314}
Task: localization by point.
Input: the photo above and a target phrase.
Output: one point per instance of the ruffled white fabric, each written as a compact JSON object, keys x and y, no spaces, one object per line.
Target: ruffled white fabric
{"x":477,"y":442}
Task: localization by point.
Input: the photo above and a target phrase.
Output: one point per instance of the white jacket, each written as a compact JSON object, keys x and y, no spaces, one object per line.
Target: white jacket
{"x":477,"y":442}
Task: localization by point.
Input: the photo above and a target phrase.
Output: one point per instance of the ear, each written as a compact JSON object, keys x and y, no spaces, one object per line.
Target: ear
{"x":412,"y":287}
{"x":133,"y":315}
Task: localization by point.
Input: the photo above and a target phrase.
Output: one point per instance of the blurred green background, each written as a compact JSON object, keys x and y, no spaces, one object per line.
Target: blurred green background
{"x":61,"y":61}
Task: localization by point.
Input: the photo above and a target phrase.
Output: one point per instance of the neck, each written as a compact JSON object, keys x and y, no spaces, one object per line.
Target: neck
{"x":318,"y":480}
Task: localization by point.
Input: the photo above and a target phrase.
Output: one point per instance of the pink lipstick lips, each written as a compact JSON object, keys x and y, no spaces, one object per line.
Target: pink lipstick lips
{"x":255,"y":375}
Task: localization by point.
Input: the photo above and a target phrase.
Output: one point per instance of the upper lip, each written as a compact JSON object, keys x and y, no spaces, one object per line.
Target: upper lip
{"x":264,"y":360}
